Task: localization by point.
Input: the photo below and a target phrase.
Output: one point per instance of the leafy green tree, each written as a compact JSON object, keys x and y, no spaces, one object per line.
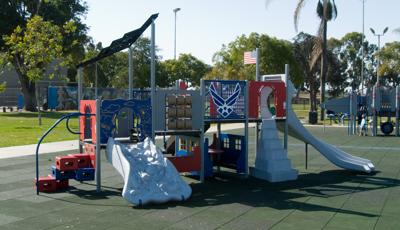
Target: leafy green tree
{"x":2,"y":87}
{"x":274,"y":54}
{"x":112,"y":71}
{"x":186,"y":67}
{"x":326,"y":11}
{"x":349,"y":52}
{"x":59,"y":12}
{"x":31,"y":50}
{"x":304,"y":50}
{"x":66,"y":14}
{"x":390,"y":67}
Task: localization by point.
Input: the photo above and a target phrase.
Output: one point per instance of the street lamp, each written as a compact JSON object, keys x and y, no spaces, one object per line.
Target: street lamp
{"x":362,"y":48}
{"x":175,"y":10}
{"x":379,"y":48}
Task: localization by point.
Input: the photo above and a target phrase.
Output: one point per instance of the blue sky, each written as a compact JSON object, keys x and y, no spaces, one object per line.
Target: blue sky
{"x":203,"y":26}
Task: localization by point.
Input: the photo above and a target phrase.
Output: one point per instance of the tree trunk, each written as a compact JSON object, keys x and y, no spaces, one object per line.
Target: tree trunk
{"x":28,"y":89}
{"x":323,"y":68}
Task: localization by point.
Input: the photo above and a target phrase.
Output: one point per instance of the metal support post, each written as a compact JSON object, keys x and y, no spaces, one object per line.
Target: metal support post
{"x":98,"y":147}
{"x":202,"y":149}
{"x":153,"y":78}
{"x":130,"y":73}
{"x":306,"y":155}
{"x":287,"y":107}
{"x":246,"y":127}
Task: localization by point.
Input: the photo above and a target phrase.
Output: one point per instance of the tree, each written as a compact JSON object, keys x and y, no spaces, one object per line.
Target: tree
{"x":389,"y":55}
{"x":186,"y":67}
{"x":2,"y":87}
{"x":326,"y":11}
{"x":66,"y":14}
{"x":113,"y":70}
{"x":274,"y":53}
{"x":31,"y":50}
{"x":17,"y":12}
{"x":349,"y":52}
{"x":304,"y":50}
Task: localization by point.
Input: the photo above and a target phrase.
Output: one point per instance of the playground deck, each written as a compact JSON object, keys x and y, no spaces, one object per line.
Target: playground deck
{"x":324,"y":197}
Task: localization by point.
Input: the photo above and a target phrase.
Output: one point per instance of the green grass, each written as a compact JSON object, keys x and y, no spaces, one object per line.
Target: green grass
{"x":23,"y":128}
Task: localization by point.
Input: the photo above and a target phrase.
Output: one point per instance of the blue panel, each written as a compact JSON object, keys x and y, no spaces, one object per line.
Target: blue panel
{"x":84,"y":174}
{"x":227,"y":98}
{"x":21,"y":101}
{"x":52,"y":97}
{"x":110,"y":109}
{"x":62,"y":175}
{"x":235,"y":152}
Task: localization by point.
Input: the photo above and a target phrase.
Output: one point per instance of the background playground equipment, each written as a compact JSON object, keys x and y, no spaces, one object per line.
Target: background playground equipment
{"x":378,"y":103}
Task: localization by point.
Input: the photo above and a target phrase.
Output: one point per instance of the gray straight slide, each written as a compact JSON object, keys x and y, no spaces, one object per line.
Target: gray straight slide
{"x":330,"y":152}
{"x":333,"y":154}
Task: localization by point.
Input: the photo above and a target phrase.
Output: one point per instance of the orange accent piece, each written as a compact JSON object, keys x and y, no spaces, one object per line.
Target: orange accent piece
{"x":83,"y":159}
{"x":87,"y":106}
{"x":187,"y":163}
{"x":279,"y":89}
{"x":66,"y":163}
{"x":91,"y":150}
{"x":46,"y":184}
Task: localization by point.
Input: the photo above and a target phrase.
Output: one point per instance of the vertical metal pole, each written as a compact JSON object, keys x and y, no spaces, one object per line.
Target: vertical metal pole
{"x":257,"y":64}
{"x":362,"y":50}
{"x":130,"y":73}
{"x":80,"y":79}
{"x":257,"y":79}
{"x":202,"y":149}
{"x":397,"y":109}
{"x":306,"y":155}
{"x":287,"y":107}
{"x":98,"y":147}
{"x":246,"y":128}
{"x":153,"y":78}
{"x":96,"y":81}
{"x":350,"y":125}
{"x":374,"y":105}
{"x":175,"y":36}
{"x":377,"y":66}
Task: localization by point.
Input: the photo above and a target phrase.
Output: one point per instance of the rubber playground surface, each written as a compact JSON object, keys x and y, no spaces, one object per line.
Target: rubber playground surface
{"x":323,"y":197}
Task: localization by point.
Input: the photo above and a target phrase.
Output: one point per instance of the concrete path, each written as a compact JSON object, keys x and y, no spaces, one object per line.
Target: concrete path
{"x":26,"y":150}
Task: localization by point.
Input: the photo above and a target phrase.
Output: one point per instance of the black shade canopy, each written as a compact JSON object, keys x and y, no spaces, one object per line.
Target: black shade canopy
{"x":122,"y":43}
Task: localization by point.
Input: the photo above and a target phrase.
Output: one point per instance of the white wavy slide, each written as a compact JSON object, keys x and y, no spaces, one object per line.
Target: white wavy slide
{"x":148,"y":176}
{"x":330,"y":152}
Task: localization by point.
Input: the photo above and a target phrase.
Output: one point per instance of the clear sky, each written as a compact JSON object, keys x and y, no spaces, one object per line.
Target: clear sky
{"x":203,"y":26}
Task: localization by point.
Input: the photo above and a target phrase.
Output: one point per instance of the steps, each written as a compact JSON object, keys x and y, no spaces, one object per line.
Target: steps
{"x":272,"y":163}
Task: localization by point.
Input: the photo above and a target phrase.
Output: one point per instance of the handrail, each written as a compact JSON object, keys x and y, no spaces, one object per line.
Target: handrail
{"x":68,"y":116}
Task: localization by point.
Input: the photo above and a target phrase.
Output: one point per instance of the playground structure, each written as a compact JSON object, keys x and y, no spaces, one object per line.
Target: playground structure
{"x":379,"y":102}
{"x":182,"y":117}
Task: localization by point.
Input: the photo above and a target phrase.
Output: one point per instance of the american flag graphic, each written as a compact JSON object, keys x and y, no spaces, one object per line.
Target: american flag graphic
{"x":250,"y":57}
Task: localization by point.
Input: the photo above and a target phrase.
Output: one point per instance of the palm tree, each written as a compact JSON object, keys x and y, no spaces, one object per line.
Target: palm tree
{"x":326,"y":11}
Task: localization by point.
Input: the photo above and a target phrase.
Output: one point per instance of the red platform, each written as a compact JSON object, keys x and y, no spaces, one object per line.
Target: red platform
{"x":66,"y":163}
{"x":91,"y":150}
{"x":187,"y":163}
{"x":62,"y":184}
{"x":84,"y":160}
{"x":46,"y":184}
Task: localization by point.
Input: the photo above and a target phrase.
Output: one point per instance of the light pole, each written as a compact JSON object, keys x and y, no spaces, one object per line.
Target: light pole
{"x":379,"y":48}
{"x":175,"y":11}
{"x":362,"y":48}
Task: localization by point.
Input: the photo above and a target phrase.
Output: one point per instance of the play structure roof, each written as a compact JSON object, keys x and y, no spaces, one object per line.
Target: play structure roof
{"x":119,"y":44}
